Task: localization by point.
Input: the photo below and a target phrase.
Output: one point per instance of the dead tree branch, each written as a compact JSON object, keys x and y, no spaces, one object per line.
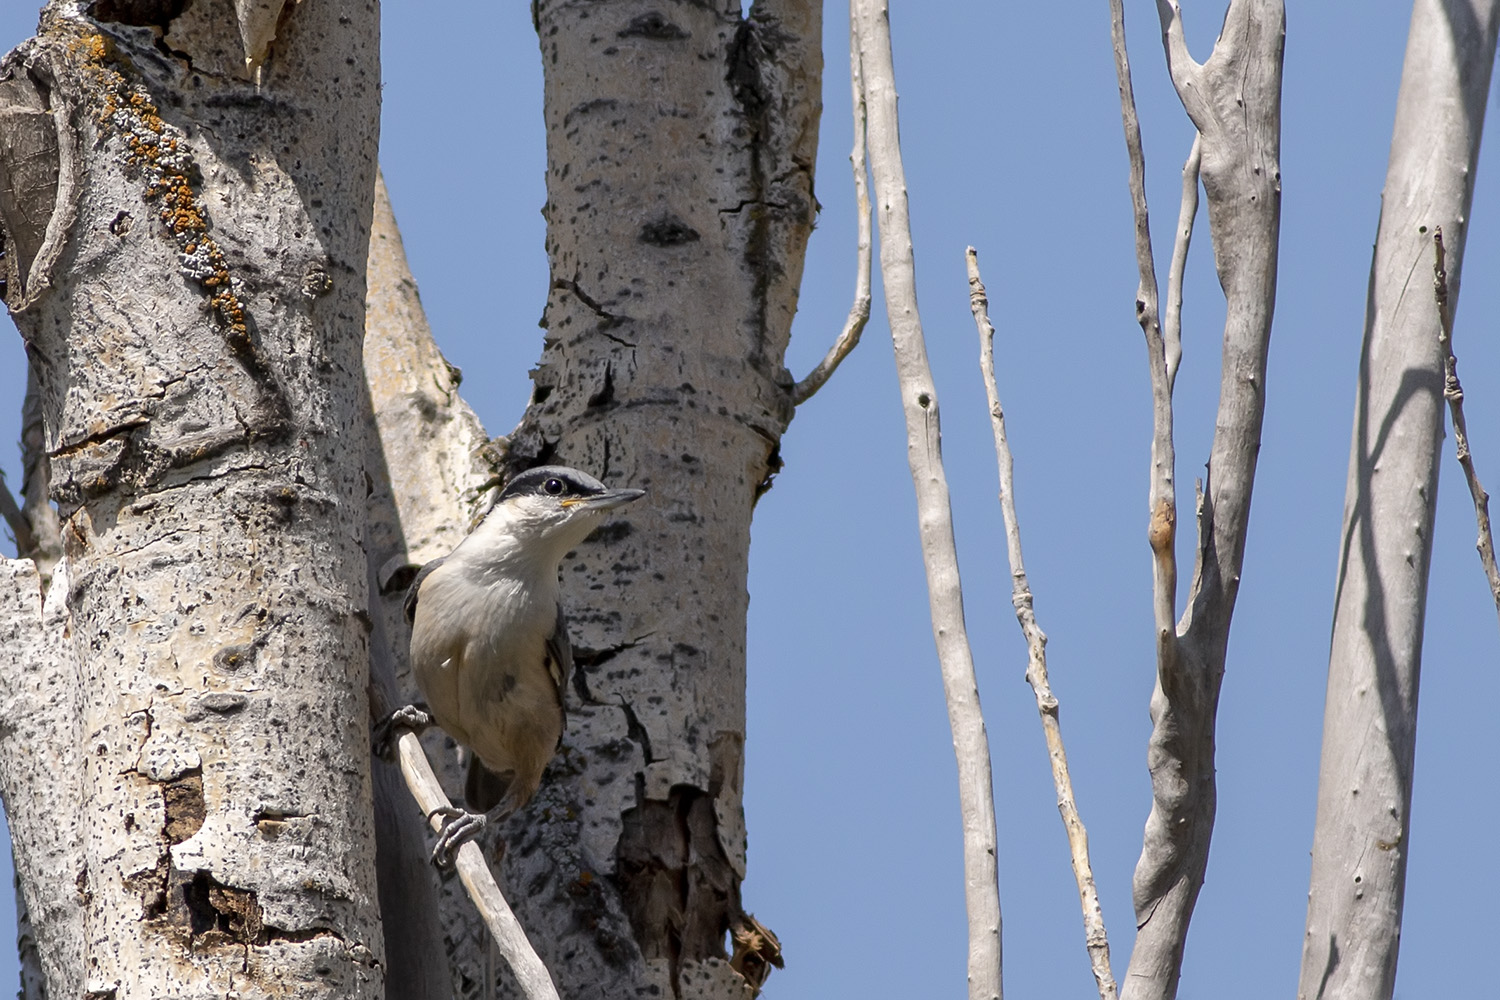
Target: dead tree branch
{"x":1453,"y":392}
{"x":859,"y":312}
{"x":531,"y":974}
{"x":1357,"y":883}
{"x":1162,"y":533}
{"x":935,"y":516}
{"x":1095,"y":937}
{"x":1234,"y":100}
{"x":1186,"y":215}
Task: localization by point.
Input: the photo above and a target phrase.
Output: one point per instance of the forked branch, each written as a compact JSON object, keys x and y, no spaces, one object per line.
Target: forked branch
{"x":1095,"y":938}
{"x":1453,"y":392}
{"x":1234,"y":100}
{"x":1162,"y":500}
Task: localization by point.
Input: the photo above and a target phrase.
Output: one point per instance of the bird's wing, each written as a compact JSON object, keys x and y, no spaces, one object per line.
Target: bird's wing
{"x":409,"y":606}
{"x":560,"y":662}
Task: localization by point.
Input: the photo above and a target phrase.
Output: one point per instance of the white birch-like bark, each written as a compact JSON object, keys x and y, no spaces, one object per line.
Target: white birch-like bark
{"x":41,"y":774}
{"x":1369,"y":723}
{"x":191,"y":294}
{"x":681,"y":143}
{"x":1234,"y":101}
{"x":934,"y":512}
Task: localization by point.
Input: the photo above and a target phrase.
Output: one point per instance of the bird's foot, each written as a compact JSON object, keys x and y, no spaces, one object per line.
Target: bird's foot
{"x":408,"y":717}
{"x":458,"y":826}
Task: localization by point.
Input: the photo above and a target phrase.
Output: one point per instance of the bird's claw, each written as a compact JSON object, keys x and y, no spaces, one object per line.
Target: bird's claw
{"x":408,"y":717}
{"x":458,"y":826}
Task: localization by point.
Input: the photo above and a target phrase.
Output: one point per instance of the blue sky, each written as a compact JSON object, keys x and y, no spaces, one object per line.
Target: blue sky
{"x":1010,"y":122}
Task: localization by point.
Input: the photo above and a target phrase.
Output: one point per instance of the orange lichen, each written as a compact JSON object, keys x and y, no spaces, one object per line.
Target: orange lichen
{"x":126,"y":111}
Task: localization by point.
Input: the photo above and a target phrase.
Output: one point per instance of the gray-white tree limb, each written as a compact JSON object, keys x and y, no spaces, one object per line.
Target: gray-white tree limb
{"x":1095,"y":937}
{"x":924,"y":454}
{"x":189,"y":259}
{"x":1234,"y":101}
{"x":1369,"y":724}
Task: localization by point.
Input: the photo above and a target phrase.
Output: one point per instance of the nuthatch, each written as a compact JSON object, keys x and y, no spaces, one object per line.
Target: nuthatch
{"x":489,"y":641}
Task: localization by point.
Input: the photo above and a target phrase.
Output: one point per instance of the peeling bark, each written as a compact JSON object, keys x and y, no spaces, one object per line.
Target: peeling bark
{"x":192,"y":309}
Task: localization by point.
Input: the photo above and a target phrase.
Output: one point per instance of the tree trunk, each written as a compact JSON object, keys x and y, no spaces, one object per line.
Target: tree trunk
{"x":1369,"y":723}
{"x":190,"y":284}
{"x":681,"y":144}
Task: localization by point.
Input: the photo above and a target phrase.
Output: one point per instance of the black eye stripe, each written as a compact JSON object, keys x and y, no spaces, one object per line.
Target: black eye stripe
{"x":536,"y":482}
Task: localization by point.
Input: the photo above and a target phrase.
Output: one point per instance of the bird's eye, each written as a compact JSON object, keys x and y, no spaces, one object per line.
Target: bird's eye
{"x":553,"y":487}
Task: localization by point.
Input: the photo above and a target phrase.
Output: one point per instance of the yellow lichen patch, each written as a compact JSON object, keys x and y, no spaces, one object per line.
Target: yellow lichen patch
{"x":126,"y":112}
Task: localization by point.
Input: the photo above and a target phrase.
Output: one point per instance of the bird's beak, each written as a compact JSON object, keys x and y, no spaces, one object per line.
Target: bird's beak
{"x":608,"y":500}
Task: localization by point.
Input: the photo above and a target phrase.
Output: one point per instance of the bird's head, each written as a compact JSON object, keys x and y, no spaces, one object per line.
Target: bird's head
{"x":555,"y":507}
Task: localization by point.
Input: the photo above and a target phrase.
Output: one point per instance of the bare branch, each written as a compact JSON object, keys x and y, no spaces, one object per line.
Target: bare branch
{"x":19,"y":527}
{"x":1162,"y":532}
{"x":1234,"y":100}
{"x":859,"y":312}
{"x":934,"y":512}
{"x":531,"y":974}
{"x":1453,"y":392}
{"x":1172,"y":326}
{"x":1356,"y":893}
{"x":1095,"y":938}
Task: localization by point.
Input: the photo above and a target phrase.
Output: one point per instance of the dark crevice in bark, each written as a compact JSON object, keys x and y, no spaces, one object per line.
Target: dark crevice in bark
{"x":747,"y":51}
{"x":138,"y":13}
{"x":653,"y":25}
{"x":678,"y":887}
{"x":668,"y":231}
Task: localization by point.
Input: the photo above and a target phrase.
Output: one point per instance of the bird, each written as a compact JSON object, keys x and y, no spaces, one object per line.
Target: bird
{"x":489,"y":640}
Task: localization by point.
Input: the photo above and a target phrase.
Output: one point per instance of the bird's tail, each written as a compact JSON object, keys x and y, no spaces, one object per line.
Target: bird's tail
{"x":483,"y":788}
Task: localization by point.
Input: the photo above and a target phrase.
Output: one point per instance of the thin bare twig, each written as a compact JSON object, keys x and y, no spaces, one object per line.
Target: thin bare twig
{"x":1453,"y":392}
{"x":1172,"y":325}
{"x":859,"y":312}
{"x":1162,"y":532}
{"x":924,"y":452}
{"x":1095,"y":938}
{"x":530,"y":973}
